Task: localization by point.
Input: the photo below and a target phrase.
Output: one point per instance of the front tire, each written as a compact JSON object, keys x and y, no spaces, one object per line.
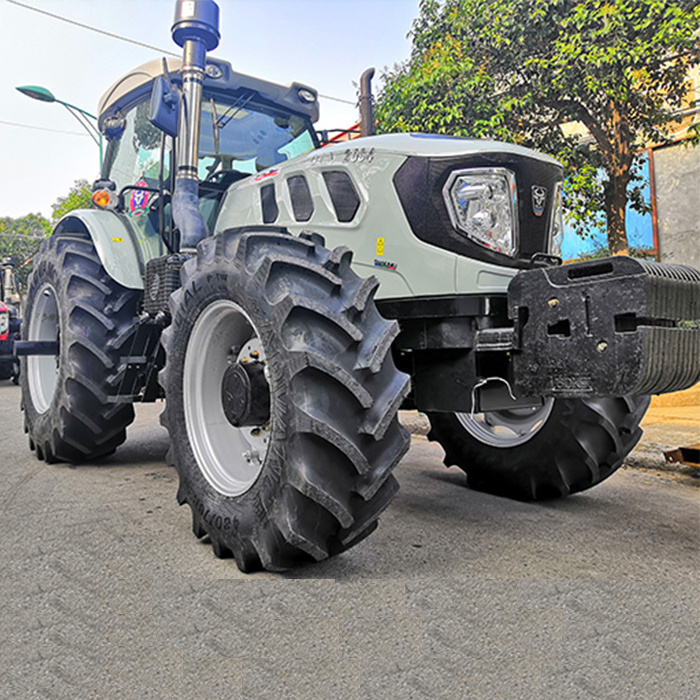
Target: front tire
{"x":566,"y":446}
{"x":282,"y":399}
{"x":71,"y":299}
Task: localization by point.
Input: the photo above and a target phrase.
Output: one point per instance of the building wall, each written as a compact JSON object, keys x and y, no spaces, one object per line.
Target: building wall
{"x":677,"y":190}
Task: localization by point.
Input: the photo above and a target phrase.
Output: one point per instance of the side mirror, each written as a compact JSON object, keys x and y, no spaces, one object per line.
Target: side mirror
{"x":165,"y":107}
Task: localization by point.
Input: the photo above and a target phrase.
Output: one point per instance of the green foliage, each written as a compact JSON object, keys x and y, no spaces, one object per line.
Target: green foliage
{"x":516,"y":70}
{"x":146,"y":135}
{"x":79,"y":197}
{"x":20,"y":238}
{"x":603,"y":252}
{"x":34,"y":225}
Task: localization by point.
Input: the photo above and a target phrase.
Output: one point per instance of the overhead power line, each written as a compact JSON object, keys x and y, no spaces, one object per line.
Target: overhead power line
{"x":128,"y":40}
{"x":42,"y":128}
{"x":90,"y":28}
{"x":337,"y":99}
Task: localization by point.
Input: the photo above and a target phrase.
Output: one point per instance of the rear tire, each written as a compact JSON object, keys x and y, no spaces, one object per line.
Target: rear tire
{"x":66,"y":398}
{"x":309,"y":475}
{"x":569,"y":446}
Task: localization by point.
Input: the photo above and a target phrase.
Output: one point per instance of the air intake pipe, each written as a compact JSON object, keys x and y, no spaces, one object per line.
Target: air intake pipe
{"x":196,"y":30}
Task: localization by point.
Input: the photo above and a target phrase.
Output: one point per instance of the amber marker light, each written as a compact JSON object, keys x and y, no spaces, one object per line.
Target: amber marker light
{"x":101,"y":198}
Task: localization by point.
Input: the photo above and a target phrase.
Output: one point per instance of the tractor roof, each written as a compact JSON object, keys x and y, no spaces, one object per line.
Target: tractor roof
{"x":138,"y":83}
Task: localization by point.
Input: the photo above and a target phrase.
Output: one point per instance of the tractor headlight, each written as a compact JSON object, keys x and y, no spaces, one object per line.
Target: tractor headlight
{"x":483,"y":205}
{"x":4,"y":322}
{"x":556,"y":225}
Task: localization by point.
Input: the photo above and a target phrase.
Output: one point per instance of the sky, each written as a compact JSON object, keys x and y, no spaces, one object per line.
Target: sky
{"x":43,"y":150}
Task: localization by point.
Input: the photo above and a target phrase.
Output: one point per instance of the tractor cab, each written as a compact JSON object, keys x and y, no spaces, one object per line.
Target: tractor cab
{"x":246,"y":126}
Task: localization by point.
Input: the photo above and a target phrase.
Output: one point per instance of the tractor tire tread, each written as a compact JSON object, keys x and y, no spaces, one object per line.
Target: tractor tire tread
{"x":335,"y":466}
{"x":99,"y":315}
{"x":582,"y":444}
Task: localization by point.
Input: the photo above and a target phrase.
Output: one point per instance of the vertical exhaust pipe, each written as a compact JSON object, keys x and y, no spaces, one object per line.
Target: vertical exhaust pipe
{"x":366,"y":107}
{"x":196,"y":30}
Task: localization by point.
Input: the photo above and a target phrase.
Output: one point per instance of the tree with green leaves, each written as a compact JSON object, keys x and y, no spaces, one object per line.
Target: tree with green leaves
{"x":20,"y":238}
{"x":79,"y":197}
{"x":519,"y":70}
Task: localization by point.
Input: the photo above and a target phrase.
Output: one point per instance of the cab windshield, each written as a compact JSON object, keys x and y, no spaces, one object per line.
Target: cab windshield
{"x":247,"y":138}
{"x":234,"y":136}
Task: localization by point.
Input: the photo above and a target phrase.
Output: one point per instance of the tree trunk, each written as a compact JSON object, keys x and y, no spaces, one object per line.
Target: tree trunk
{"x":615,"y":208}
{"x":619,"y":156}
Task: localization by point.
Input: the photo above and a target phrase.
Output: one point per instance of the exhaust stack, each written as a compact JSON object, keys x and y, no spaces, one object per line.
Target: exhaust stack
{"x":366,"y":106}
{"x":196,"y":30}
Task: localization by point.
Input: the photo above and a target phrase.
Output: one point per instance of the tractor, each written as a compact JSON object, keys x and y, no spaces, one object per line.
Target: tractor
{"x":10,"y":321}
{"x":287,"y":299}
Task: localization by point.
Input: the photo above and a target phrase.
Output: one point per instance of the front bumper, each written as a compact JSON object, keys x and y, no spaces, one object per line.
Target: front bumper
{"x":606,"y":327}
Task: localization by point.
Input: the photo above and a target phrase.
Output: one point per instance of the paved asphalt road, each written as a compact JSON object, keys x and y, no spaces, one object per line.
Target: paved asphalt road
{"x":105,"y":593}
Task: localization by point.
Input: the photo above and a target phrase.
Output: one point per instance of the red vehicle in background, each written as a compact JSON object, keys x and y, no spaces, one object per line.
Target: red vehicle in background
{"x":9,"y":330}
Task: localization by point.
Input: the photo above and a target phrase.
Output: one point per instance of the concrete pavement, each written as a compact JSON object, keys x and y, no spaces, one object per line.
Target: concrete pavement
{"x":106,"y":594}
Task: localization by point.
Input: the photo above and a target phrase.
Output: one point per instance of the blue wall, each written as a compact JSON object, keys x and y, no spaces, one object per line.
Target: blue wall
{"x":640,"y":232}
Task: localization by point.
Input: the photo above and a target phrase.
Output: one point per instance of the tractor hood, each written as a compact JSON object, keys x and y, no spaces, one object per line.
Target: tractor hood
{"x":438,"y":145}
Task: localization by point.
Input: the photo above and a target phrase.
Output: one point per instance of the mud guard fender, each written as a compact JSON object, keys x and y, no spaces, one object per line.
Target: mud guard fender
{"x":114,"y":242}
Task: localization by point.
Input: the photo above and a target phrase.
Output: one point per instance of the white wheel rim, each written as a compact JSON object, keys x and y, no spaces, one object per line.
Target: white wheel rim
{"x":230,"y":458}
{"x":507,"y":428}
{"x":42,"y":370}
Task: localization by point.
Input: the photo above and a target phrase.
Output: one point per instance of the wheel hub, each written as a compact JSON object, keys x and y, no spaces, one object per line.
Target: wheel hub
{"x":44,"y":327}
{"x":227,"y":403}
{"x":245,"y":394}
{"x":509,"y":427}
